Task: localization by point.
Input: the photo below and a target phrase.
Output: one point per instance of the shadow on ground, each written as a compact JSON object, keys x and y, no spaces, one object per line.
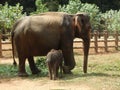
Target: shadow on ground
{"x":8,"y":71}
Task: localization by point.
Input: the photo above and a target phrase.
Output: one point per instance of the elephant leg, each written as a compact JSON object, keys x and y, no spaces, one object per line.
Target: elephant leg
{"x":60,"y":70}
{"x":50,"y":72}
{"x":69,"y":61}
{"x":22,"y":71}
{"x":55,"y":73}
{"x":32,"y":65}
{"x":67,"y":51}
{"x":57,"y":69}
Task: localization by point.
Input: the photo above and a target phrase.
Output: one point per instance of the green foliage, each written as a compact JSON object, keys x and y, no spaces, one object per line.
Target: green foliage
{"x":8,"y":70}
{"x":76,"y":6}
{"x":40,"y":7}
{"x":9,"y":14}
{"x":105,"y":5}
{"x":52,"y":6}
{"x":112,"y":20}
{"x":72,"y":7}
{"x":41,"y":64}
{"x":94,"y":13}
{"x":99,"y":21}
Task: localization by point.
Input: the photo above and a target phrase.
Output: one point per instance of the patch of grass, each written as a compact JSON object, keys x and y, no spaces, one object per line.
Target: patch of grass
{"x":7,"y":70}
{"x":10,"y":71}
{"x":41,"y":64}
{"x":103,"y":72}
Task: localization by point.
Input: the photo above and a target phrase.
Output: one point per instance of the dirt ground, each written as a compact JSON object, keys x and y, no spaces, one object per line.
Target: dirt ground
{"x":25,"y":84}
{"x":18,"y":83}
{"x":42,"y":83}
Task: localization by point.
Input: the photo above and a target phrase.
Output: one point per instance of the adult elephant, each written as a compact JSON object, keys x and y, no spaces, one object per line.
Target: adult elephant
{"x":37,"y":35}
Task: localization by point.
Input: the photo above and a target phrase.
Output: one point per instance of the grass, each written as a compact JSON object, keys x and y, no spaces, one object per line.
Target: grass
{"x":7,"y":71}
{"x":10,"y":71}
{"x":103,"y":72}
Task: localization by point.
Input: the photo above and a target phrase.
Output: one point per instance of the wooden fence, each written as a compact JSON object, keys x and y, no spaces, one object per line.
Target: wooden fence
{"x":97,"y":42}
{"x":102,"y":40}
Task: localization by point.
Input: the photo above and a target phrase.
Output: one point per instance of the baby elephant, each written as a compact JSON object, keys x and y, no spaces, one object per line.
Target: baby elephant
{"x":54,"y":61}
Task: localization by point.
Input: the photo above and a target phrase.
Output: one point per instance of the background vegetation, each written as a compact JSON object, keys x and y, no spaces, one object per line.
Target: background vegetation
{"x":102,"y":18}
{"x":8,"y":15}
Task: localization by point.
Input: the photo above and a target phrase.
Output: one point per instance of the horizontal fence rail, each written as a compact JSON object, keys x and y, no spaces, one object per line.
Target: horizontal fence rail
{"x":105,"y":39}
{"x":97,"y":39}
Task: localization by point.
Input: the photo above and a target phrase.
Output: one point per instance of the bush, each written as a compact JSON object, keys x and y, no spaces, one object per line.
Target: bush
{"x":40,"y":7}
{"x":94,"y":13}
{"x":8,"y":70}
{"x":41,"y":64}
{"x":9,"y":14}
{"x":72,"y":7}
{"x":112,"y":20}
{"x":76,"y":6}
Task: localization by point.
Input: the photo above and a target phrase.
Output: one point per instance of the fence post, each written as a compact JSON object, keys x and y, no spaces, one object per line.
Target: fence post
{"x":116,"y":40}
{"x":105,"y":40}
{"x":0,"y":46}
{"x":96,"y":41}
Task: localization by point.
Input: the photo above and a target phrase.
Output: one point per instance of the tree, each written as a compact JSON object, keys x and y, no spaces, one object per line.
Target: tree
{"x":40,"y":7}
{"x":53,"y":5}
{"x":28,"y":5}
{"x":112,"y":20}
{"x":105,"y":5}
{"x":8,"y":15}
{"x":76,"y":6}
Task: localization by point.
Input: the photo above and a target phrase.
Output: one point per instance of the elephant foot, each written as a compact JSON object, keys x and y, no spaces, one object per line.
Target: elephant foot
{"x":22,"y":74}
{"x":36,"y":71}
{"x":66,"y":70}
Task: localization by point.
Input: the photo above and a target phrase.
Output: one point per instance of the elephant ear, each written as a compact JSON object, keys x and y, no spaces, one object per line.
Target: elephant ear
{"x":85,"y":21}
{"x":78,"y":23}
{"x":84,"y":17}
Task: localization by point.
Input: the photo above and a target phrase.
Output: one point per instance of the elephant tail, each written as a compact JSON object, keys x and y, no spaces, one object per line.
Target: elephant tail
{"x":12,"y":36}
{"x":12,"y":39}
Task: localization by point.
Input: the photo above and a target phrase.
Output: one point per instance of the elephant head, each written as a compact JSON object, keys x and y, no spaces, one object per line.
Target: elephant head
{"x":82,"y":28}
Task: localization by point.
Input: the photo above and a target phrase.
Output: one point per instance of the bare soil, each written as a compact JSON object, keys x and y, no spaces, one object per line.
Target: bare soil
{"x":39,"y":84}
{"x":42,"y":83}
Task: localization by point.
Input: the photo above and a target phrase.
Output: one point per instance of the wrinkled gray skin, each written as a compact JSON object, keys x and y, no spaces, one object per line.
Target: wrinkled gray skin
{"x":37,"y":35}
{"x":54,"y":62}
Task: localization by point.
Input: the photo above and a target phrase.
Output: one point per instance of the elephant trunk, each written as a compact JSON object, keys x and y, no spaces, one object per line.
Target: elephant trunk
{"x":69,"y":61}
{"x":86,"y":43}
